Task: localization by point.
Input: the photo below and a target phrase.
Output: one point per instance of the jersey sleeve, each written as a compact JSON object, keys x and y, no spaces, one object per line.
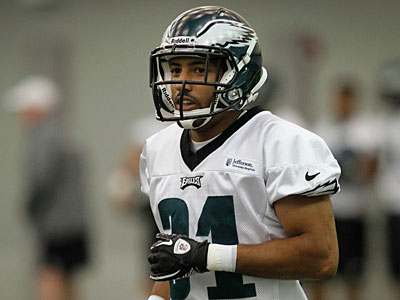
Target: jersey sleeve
{"x":144,"y":172}
{"x":298,"y":162}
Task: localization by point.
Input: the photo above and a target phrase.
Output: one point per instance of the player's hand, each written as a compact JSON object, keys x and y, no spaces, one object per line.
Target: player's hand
{"x":175,"y":256}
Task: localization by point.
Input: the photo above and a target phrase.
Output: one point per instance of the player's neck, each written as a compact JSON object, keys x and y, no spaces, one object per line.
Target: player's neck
{"x":216,"y":126}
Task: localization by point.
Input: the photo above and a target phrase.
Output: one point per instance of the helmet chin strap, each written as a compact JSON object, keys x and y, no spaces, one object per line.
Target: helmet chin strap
{"x":194,"y":123}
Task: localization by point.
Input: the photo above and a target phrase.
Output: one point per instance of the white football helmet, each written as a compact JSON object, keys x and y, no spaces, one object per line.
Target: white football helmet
{"x":209,"y":32}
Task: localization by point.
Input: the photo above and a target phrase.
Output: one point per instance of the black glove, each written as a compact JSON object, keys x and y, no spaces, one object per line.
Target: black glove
{"x":175,"y":256}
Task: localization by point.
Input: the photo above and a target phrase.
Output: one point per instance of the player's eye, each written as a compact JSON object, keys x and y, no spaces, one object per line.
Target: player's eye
{"x":200,"y":70}
{"x":175,"y":71}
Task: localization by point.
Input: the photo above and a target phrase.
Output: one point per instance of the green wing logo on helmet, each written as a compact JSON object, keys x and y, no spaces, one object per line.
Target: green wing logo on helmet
{"x":225,"y":33}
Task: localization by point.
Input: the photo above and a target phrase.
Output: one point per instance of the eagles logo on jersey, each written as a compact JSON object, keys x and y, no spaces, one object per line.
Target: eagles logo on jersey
{"x":194,"y":181}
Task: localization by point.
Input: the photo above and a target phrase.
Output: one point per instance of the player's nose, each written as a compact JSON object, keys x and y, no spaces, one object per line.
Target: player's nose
{"x":184,"y":78}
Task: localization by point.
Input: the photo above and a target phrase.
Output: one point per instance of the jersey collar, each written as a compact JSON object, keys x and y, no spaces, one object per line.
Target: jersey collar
{"x":192,"y":160}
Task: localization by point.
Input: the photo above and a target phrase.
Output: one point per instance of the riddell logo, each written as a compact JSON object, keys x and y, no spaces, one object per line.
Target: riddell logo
{"x":180,"y":40}
{"x":167,"y":96}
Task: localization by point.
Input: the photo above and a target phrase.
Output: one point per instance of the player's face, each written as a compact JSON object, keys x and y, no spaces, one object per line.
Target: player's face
{"x":195,"y":96}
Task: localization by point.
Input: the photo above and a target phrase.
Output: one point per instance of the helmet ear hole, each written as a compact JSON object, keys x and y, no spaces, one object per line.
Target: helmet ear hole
{"x":235,"y":94}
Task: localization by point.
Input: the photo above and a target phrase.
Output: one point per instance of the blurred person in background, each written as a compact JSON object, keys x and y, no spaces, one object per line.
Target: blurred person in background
{"x":123,"y":184}
{"x":54,"y":205}
{"x":389,"y":167}
{"x":270,"y":100}
{"x":350,"y":136}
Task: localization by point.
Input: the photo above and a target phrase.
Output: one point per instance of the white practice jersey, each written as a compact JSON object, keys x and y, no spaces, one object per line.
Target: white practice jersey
{"x":225,"y":193}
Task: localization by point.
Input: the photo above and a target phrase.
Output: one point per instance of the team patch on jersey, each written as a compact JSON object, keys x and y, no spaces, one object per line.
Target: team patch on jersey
{"x":248,"y":166}
{"x":187,"y":181}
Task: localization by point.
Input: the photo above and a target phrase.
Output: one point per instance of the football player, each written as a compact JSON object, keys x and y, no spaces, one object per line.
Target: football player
{"x":240,"y":196}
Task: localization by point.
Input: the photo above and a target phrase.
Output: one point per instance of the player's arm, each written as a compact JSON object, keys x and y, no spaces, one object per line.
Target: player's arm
{"x":160,"y":289}
{"x":310,"y":251}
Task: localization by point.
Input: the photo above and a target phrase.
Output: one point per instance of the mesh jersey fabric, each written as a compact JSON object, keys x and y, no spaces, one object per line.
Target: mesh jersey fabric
{"x":227,"y":196}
